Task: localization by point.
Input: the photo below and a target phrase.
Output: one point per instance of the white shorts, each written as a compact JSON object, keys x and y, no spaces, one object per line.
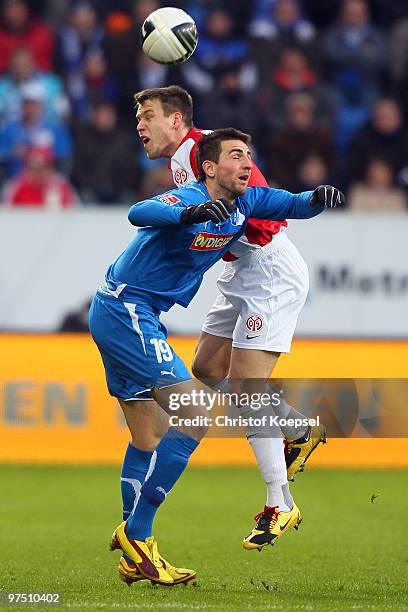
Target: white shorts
{"x":262,"y":294}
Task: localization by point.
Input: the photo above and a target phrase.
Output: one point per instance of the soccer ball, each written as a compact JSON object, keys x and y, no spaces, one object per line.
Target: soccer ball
{"x":169,"y":35}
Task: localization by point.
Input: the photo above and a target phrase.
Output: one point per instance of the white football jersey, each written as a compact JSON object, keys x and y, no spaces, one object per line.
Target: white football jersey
{"x":183,"y":164}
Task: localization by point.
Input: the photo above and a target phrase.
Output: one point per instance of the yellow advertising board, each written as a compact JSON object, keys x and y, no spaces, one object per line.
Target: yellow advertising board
{"x":54,"y":405}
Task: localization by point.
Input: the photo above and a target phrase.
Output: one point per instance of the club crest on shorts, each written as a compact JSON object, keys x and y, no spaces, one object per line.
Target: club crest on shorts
{"x":254,"y":323}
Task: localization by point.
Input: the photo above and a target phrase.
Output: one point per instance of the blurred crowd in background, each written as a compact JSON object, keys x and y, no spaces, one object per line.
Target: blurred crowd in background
{"x":321,"y":86}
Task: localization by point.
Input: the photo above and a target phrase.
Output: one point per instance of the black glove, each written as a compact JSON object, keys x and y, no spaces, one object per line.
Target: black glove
{"x":327,"y":195}
{"x":213,"y":210}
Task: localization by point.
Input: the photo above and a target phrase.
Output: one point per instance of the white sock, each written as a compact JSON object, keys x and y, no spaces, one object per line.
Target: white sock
{"x":270,"y":458}
{"x":285,"y":411}
{"x":267,"y":445}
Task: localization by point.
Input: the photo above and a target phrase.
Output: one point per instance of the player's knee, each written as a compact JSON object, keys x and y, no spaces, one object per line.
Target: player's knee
{"x":197,"y":431}
{"x":147,"y":441}
{"x":199,"y":369}
{"x":206,"y":371}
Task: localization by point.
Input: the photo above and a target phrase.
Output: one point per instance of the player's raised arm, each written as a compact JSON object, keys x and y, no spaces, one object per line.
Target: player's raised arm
{"x":162,"y":210}
{"x":154,"y":213}
{"x":267,"y":203}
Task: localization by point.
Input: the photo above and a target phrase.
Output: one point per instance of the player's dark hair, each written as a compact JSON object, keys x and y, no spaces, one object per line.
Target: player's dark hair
{"x":173,"y":99}
{"x":209,"y":147}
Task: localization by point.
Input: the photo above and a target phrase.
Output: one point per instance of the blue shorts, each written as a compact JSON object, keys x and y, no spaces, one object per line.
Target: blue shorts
{"x":134,"y":349}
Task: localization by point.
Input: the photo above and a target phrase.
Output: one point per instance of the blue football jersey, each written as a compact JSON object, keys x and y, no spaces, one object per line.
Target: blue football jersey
{"x":165,"y":262}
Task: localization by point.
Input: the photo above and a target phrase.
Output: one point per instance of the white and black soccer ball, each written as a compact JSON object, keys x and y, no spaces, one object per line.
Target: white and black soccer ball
{"x":169,"y":35}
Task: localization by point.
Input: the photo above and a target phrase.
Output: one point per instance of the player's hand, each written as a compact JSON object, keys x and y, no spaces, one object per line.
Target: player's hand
{"x":327,"y":195}
{"x":213,"y":210}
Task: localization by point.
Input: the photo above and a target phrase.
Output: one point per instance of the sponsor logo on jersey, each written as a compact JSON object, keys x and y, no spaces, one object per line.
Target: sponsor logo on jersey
{"x":210,"y":242}
{"x":180,"y":176}
{"x":254,"y":323}
{"x":169,"y":198}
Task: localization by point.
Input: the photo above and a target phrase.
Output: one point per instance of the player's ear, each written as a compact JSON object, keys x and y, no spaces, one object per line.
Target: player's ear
{"x":177,"y":121}
{"x":209,"y":168}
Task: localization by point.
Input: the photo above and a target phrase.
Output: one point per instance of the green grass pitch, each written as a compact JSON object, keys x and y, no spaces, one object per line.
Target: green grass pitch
{"x":349,"y":552}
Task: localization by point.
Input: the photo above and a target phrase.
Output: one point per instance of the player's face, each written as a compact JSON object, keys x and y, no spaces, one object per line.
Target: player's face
{"x":155,"y":129}
{"x":233,"y":170}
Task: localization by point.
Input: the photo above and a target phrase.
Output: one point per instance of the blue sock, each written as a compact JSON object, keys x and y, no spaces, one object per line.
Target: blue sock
{"x":173,"y":454}
{"x":134,"y":471}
